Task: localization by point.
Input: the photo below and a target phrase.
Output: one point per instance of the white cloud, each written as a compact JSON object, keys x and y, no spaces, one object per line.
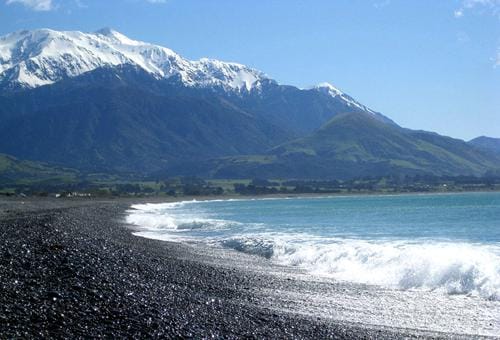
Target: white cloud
{"x":36,"y":5}
{"x":80,"y":4}
{"x":48,"y":5}
{"x":490,"y":6}
{"x":458,"y":13}
{"x":381,"y":4}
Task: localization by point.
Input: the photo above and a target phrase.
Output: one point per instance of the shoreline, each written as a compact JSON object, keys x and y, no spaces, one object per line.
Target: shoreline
{"x":72,"y":268}
{"x":179,"y":199}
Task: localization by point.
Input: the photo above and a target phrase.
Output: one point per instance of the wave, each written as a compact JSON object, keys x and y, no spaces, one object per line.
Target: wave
{"x":446,"y":266}
{"x":449,"y":267}
{"x":162,"y":217}
{"x":156,"y":207}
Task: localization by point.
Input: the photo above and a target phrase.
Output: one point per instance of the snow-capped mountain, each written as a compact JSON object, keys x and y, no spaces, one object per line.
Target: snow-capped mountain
{"x":334,"y":92}
{"x":34,"y":58}
{"x":30,"y":59}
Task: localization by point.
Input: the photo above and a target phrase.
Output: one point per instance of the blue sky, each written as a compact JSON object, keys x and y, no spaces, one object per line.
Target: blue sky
{"x":427,"y":64}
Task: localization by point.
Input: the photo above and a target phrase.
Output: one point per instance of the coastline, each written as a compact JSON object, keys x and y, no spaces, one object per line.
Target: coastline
{"x":178,"y":199}
{"x":72,"y":268}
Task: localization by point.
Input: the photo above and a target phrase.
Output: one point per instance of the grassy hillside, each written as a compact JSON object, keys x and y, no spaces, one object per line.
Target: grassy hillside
{"x":356,"y":145}
{"x":17,"y":171}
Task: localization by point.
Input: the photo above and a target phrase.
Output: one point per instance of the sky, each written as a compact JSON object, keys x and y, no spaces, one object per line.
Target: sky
{"x":427,"y":64}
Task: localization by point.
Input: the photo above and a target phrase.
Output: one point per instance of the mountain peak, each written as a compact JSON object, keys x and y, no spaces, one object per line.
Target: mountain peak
{"x":487,"y":143}
{"x":329,"y":89}
{"x":484,"y":138}
{"x":107,"y":31}
{"x":117,"y":36}
{"x":332,"y":91}
{"x":34,"y":58}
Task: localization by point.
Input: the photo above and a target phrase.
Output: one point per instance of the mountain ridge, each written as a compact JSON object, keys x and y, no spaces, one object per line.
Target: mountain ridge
{"x":63,"y":54}
{"x":29,"y":59}
{"x":104,"y":102}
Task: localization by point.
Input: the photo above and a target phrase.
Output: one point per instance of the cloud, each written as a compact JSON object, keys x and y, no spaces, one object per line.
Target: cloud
{"x":80,"y":4}
{"x":36,"y":5}
{"x":489,"y":6}
{"x":157,"y":1}
{"x":458,"y":13}
{"x":381,"y":4}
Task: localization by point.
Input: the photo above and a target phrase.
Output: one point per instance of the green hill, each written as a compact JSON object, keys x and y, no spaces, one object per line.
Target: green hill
{"x":356,"y":145}
{"x":15,"y":171}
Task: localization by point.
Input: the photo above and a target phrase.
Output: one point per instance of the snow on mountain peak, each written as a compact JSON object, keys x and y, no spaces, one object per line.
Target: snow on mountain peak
{"x":107,"y":31}
{"x":117,"y":36}
{"x":332,"y":91}
{"x":236,"y":75}
{"x":34,"y":58}
{"x":40,"y":57}
{"x":329,"y":89}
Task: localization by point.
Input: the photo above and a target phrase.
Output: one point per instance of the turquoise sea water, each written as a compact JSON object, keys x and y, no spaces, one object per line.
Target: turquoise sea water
{"x":438,"y":242}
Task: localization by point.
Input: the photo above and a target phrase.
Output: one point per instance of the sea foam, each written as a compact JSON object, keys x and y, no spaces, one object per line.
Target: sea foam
{"x":161,"y":217}
{"x":453,"y":268}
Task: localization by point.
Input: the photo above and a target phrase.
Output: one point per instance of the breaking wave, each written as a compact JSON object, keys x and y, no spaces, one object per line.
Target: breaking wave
{"x":454,"y":268}
{"x":161,"y":217}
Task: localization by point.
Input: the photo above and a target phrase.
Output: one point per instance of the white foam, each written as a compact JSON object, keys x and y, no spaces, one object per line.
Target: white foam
{"x":453,"y":268}
{"x":165,"y":216}
{"x":152,"y":207}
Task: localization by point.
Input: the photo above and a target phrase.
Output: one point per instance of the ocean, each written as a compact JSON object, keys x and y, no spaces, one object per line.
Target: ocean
{"x":427,"y":262}
{"x":444,"y":242}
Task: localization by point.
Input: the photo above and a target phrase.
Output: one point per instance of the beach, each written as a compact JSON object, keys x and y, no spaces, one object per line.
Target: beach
{"x":72,"y":268}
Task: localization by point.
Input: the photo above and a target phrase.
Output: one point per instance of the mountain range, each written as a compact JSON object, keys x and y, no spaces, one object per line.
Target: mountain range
{"x":104,"y":102}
